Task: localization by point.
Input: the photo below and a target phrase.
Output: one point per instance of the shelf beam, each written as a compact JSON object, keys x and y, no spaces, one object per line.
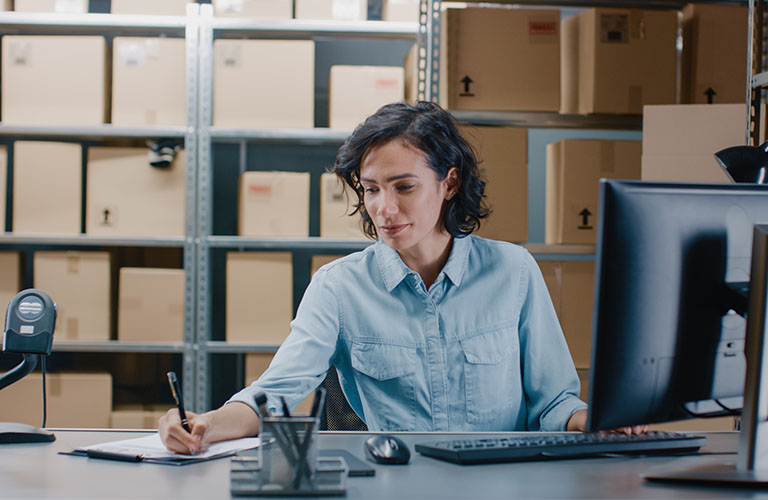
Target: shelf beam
{"x":284,"y":135}
{"x":86,"y":240}
{"x":33,"y":23}
{"x":116,"y":346}
{"x":311,"y":243}
{"x":91,"y":132}
{"x":531,"y":119}
{"x":311,"y":29}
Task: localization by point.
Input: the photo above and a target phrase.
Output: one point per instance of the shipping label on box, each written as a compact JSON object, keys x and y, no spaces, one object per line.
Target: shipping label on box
{"x":253,"y":87}
{"x":502,"y":154}
{"x":76,"y":64}
{"x":574,"y":170}
{"x":337,"y":202}
{"x":151,"y":305}
{"x":78,"y":400}
{"x":626,"y":59}
{"x":571,"y":287}
{"x":714,"y":65}
{"x":259,"y":297}
{"x":343,"y":10}
{"x":126,"y":196}
{"x":79,"y":283}
{"x":500,"y":59}
{"x":148,"y":78}
{"x":356,"y":92}
{"x":150,"y":7}
{"x":47,"y":187}
{"x":259,"y":9}
{"x":274,"y":204}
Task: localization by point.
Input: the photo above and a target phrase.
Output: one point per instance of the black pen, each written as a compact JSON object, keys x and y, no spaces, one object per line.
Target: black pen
{"x":176,"y":391}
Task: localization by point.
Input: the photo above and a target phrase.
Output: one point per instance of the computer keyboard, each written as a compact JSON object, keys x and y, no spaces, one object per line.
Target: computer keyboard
{"x":525,"y":447}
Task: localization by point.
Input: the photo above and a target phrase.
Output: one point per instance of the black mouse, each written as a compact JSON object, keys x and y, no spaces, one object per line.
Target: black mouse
{"x":387,"y":449}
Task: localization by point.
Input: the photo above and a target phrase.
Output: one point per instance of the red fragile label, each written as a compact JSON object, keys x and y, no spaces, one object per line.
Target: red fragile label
{"x":259,"y":189}
{"x":387,"y":83}
{"x":542,"y":27}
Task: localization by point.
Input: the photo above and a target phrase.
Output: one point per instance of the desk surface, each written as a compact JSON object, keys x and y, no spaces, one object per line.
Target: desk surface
{"x":38,"y":471}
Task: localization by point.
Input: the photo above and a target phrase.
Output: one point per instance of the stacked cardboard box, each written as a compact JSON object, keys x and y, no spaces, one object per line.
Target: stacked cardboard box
{"x":59,"y":6}
{"x":47,"y":187}
{"x":571,"y":287}
{"x":714,"y":68}
{"x":151,"y":7}
{"x":345,"y":10}
{"x":3,"y":186}
{"x":260,"y":9}
{"x":679,"y":142}
{"x":82,"y":400}
{"x":126,"y":196}
{"x":502,"y":154}
{"x":77,"y":65}
{"x":10,"y":277}
{"x":319,"y":261}
{"x":253,"y":87}
{"x":259,"y":297}
{"x":355,"y":92}
{"x":400,"y":10}
{"x":500,"y":59}
{"x":136,"y":417}
{"x":337,"y":202}
{"x":574,"y":170}
{"x":274,"y":204}
{"x":626,"y":58}
{"x":151,"y":305}
{"x":148,"y":78}
{"x":79,"y":283}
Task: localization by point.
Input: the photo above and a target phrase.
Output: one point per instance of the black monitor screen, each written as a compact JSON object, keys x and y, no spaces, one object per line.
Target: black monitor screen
{"x":668,"y":331}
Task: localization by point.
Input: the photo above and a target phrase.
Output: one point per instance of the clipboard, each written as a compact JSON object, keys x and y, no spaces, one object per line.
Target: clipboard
{"x":150,"y":449}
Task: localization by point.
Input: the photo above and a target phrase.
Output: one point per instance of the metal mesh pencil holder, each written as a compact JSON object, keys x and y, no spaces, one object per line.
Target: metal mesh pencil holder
{"x":286,"y":463}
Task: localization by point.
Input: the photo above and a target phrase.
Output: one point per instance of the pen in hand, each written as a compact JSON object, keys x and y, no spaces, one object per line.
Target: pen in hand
{"x":173,"y":381}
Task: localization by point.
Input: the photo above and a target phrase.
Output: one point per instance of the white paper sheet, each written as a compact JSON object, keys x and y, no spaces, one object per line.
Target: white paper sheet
{"x":152,"y":447}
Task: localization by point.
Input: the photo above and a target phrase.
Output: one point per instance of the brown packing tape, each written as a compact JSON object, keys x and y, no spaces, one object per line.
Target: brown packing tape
{"x":54,"y":385}
{"x":607,"y":157}
{"x":637,"y":24}
{"x":73,"y":328}
{"x":73,"y":263}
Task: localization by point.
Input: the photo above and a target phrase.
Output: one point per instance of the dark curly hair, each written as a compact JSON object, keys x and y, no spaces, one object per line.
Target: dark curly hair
{"x":432,"y":130}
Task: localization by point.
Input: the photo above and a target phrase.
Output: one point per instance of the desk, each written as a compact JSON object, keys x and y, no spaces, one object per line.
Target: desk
{"x":37,"y":471}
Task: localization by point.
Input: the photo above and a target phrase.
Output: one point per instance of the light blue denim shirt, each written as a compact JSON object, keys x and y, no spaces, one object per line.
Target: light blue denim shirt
{"x":481,"y":350}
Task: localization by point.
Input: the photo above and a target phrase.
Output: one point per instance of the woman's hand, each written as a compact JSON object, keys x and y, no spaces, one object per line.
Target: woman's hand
{"x":178,"y":440}
{"x":578,"y":422}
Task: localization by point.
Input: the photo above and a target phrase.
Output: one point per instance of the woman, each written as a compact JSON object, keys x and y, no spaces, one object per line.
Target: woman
{"x":430,"y":328}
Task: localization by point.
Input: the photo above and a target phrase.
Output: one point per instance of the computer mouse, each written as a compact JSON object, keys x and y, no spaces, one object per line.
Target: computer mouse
{"x":387,"y":449}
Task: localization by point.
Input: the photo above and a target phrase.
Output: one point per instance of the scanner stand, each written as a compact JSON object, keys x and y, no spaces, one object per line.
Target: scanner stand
{"x":11,"y":432}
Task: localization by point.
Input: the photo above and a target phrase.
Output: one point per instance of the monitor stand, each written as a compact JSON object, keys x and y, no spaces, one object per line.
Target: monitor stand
{"x":751,"y":467}
{"x":11,"y":432}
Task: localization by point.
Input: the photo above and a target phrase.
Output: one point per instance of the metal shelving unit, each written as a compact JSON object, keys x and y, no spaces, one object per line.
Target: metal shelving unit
{"x":16,"y":23}
{"x":757,"y":75}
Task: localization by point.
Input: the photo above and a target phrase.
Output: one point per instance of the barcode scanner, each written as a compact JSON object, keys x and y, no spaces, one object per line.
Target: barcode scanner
{"x":30,"y":320}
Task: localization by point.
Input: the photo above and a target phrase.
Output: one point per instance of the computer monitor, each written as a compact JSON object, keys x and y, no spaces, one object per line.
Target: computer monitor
{"x":679,"y":266}
{"x":673,"y":262}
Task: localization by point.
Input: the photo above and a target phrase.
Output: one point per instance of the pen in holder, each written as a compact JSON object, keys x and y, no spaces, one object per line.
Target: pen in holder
{"x":286,"y":463}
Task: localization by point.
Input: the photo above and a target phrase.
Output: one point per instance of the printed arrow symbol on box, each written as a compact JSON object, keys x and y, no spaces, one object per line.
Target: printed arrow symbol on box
{"x":466,"y":81}
{"x":106,"y":215}
{"x":585,"y":217}
{"x":710,"y":93}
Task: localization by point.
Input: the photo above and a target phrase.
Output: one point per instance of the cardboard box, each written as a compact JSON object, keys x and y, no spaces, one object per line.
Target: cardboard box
{"x":10,"y":277}
{"x":697,"y":425}
{"x":337,"y":201}
{"x":136,"y":417}
{"x":257,"y":363}
{"x":253,"y":87}
{"x":259,"y":297}
{"x":148,"y":81}
{"x":679,"y":142}
{"x":79,"y":283}
{"x":569,"y":65}
{"x":77,"y":65}
{"x":59,"y":6}
{"x":502,"y":154}
{"x":344,"y":10}
{"x":3,"y":184}
{"x":411,"y":74}
{"x":714,"y":53}
{"x":319,"y":261}
{"x":152,"y":7}
{"x":500,"y":59}
{"x":574,"y":170}
{"x":406,"y":11}
{"x":259,"y":9}
{"x":6,"y":5}
{"x":571,"y":285}
{"x":273,"y":204}
{"x":626,"y":59}
{"x":47,"y":187}
{"x":126,"y":196}
{"x":151,"y":305}
{"x":355,"y":92}
{"x":81,"y":400}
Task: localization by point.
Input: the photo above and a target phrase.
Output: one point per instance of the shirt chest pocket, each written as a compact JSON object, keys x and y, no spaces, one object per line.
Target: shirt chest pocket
{"x":491,"y":374}
{"x":386,"y":379}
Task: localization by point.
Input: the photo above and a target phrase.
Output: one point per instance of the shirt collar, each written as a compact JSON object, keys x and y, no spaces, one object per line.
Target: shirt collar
{"x":393,"y":269}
